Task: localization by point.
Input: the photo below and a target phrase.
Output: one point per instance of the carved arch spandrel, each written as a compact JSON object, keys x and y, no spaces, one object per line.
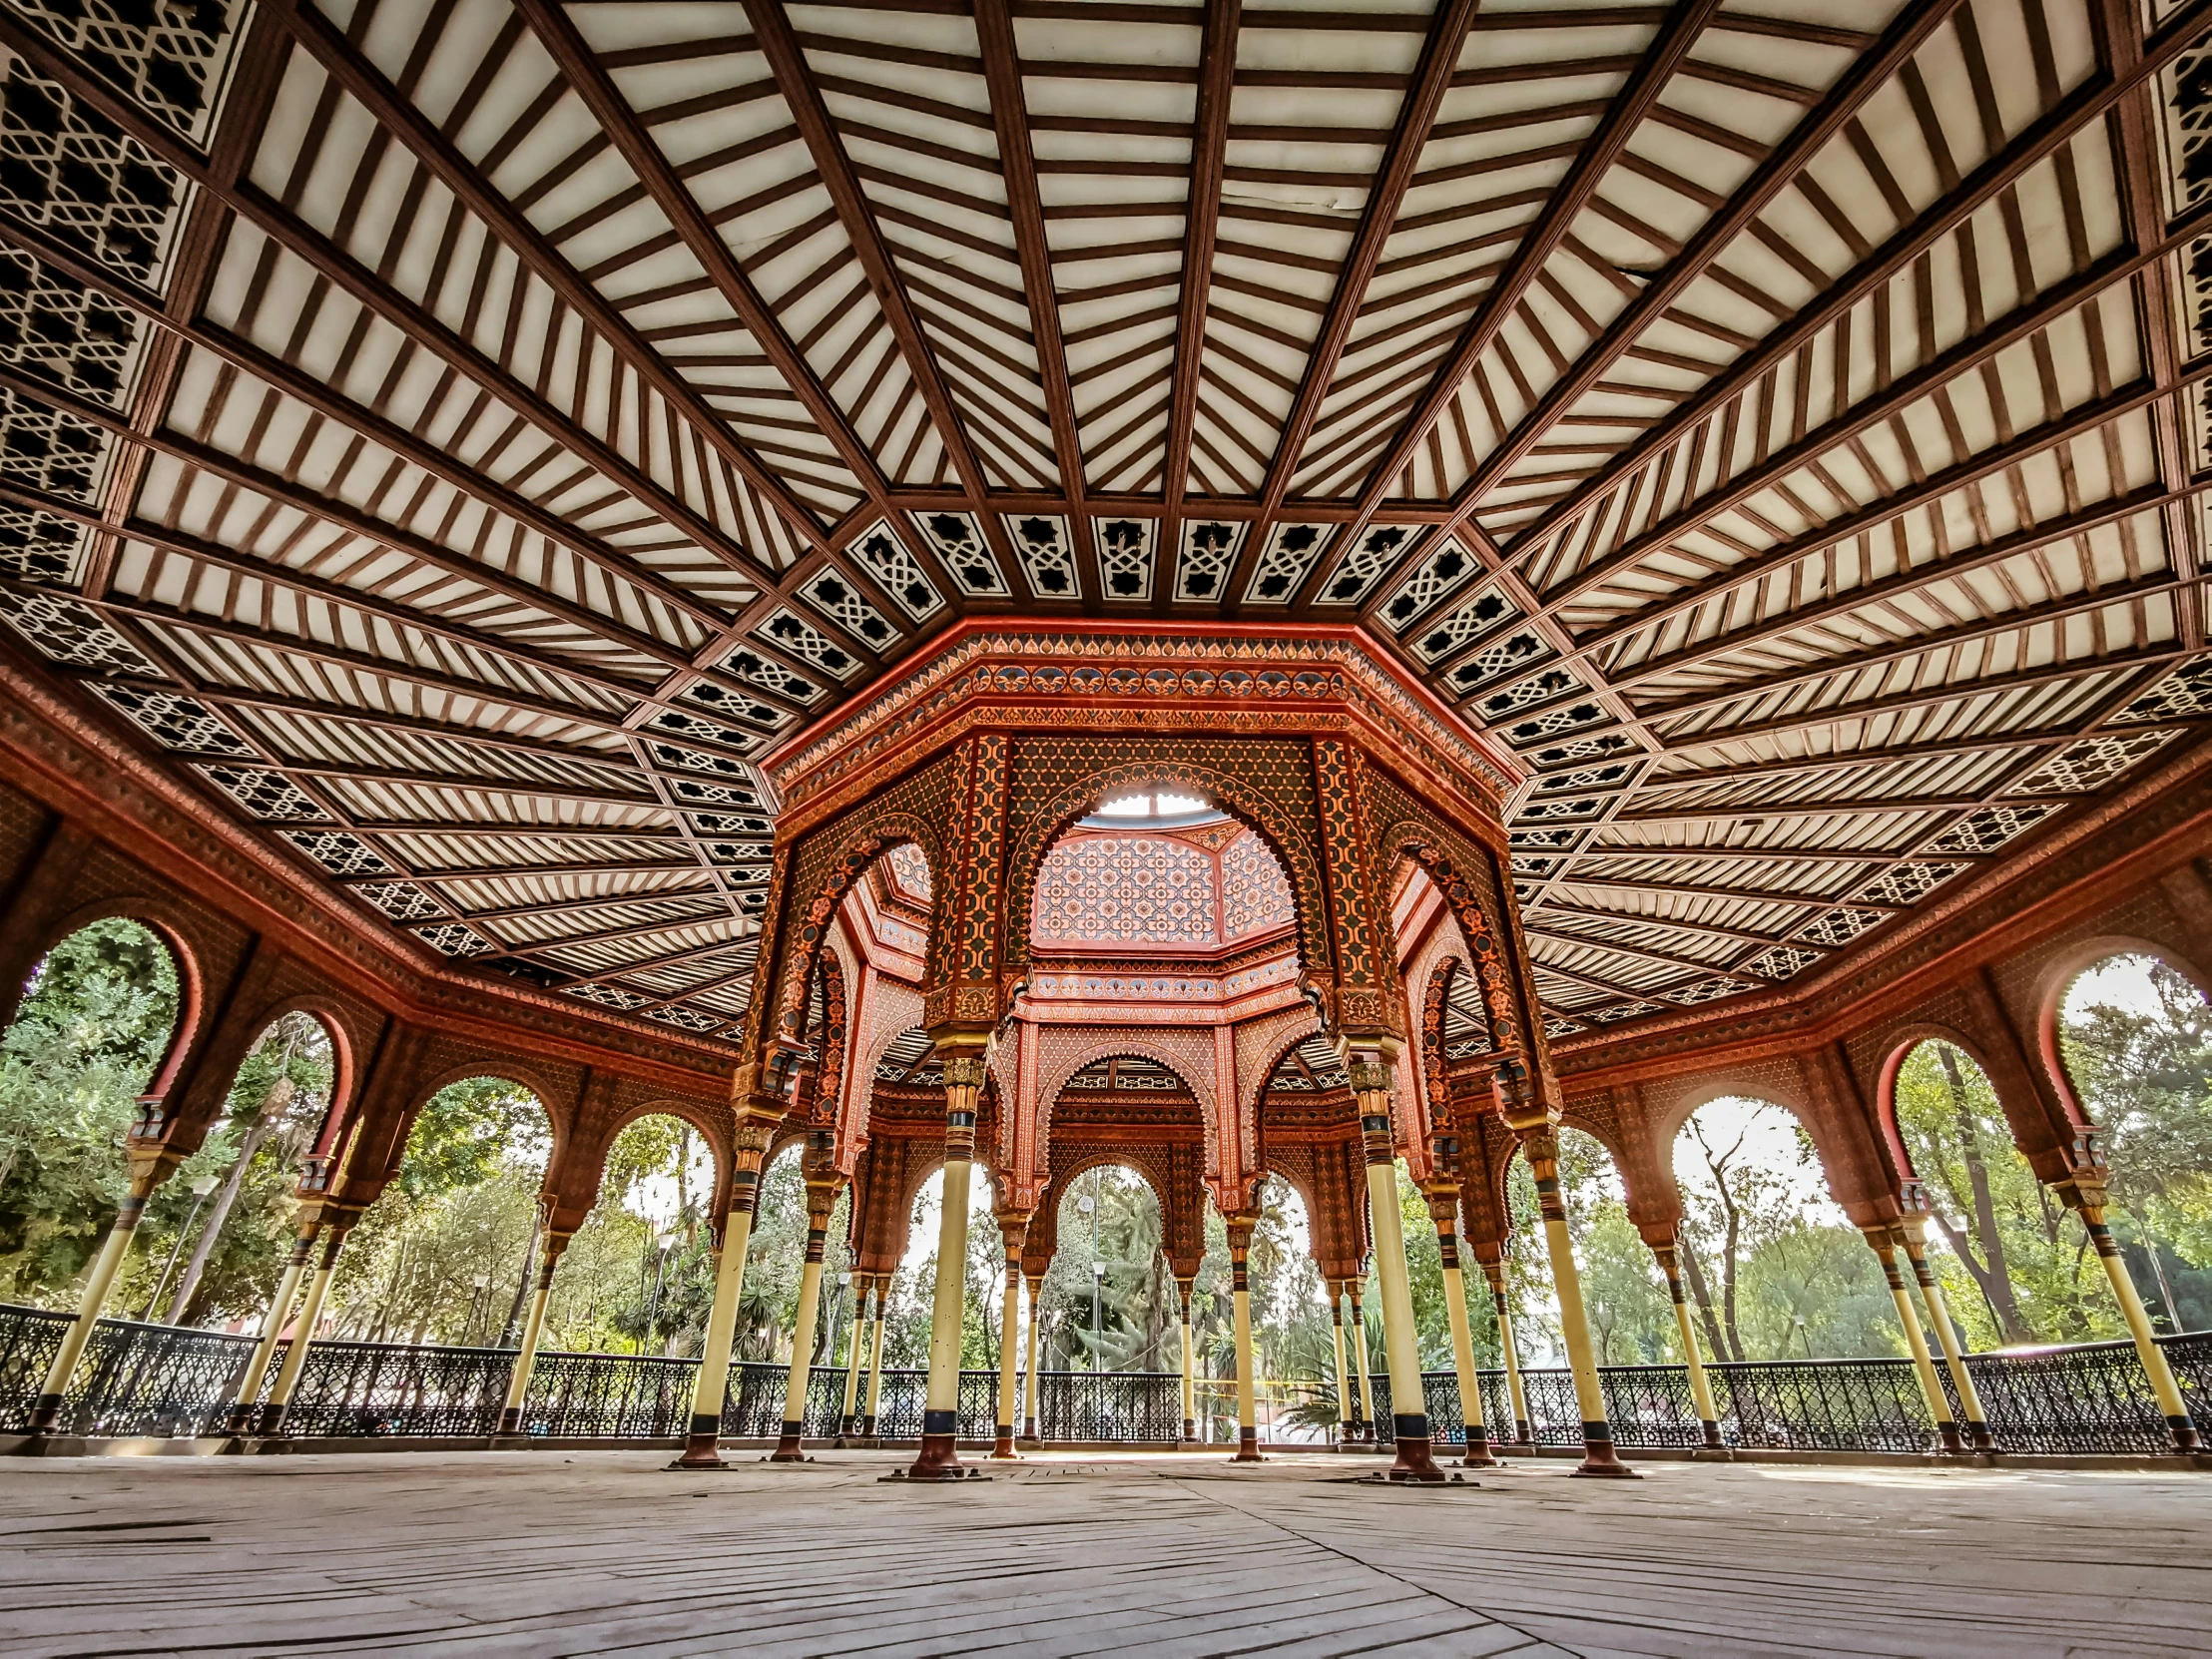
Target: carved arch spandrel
{"x":1062,"y":1052}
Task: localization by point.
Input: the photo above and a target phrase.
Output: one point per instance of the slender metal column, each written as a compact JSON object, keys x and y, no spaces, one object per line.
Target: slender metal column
{"x":240,"y":1417}
{"x":147,"y":1173}
{"x":533,"y":1330}
{"x":1443,"y":1205}
{"x":1337,"y":1332}
{"x":1240,"y":1294}
{"x":1013,"y":1228}
{"x":1358,"y":1337}
{"x":1183,"y":1290}
{"x":874,"y":1359}
{"x":822,"y":1197}
{"x":1030,"y":1369}
{"x":1883,"y":1242}
{"x":311,"y":1314}
{"x":939,"y":1458}
{"x":2162,"y":1384}
{"x":703,"y":1442}
{"x":1701,"y":1386}
{"x":846,"y":1425}
{"x":1912,"y":1232}
{"x":1371,"y":1086}
{"x":1514,"y":1391}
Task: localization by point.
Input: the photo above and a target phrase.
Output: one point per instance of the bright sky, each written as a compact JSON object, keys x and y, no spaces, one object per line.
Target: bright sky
{"x":1770,"y":1143}
{"x":2121,"y":981}
{"x":922,"y":1240}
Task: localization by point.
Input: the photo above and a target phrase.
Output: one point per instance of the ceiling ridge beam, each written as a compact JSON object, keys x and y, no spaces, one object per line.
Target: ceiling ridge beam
{"x":1654,"y":69}
{"x":1216,"y":75}
{"x":1417,"y":117}
{"x":773,"y":34}
{"x":2086,"y":102}
{"x":1841,"y":104}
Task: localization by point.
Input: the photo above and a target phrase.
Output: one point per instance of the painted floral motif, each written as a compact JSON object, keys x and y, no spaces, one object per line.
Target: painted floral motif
{"x":1255,"y":893}
{"x":1125,"y":890}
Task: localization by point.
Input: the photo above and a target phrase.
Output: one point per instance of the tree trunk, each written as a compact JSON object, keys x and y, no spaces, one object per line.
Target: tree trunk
{"x":1996,"y":1280}
{"x":1702,"y":1294}
{"x":274,"y":1106}
{"x":522,"y":1284}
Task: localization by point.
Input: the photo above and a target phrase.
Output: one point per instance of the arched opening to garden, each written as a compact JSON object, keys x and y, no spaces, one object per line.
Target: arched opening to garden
{"x":775,"y":1258}
{"x":1624,"y":1299}
{"x":1774,"y":1267}
{"x":99,"y":1022}
{"x":638,"y":1276}
{"x":1108,"y":1301}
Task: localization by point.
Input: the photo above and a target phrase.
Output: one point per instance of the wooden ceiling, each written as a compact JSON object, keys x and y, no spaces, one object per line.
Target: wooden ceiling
{"x":464,"y":436}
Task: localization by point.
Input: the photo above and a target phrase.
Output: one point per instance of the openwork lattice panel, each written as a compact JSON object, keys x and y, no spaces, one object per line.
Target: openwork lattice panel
{"x":172,"y":719}
{"x":1367,"y":562}
{"x":1125,"y":556}
{"x":64,"y":631}
{"x":895,"y":571}
{"x":1289,"y":552}
{"x":1047,"y":557}
{"x":1210,"y":548}
{"x":2092,"y":763}
{"x":958,"y":542}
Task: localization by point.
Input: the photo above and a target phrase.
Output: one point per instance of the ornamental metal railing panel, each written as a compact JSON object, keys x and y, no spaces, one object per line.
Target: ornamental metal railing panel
{"x":2086,"y":1397}
{"x":29,"y":1340}
{"x":899,"y":1407}
{"x":1139,"y":1407}
{"x":1822,"y":1406}
{"x":154,"y":1379}
{"x":609,"y":1396}
{"x":374,"y":1390}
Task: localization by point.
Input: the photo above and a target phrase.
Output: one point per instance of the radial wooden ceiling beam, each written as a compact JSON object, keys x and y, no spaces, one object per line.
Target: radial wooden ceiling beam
{"x":1636,"y":99}
{"x":787,"y":61}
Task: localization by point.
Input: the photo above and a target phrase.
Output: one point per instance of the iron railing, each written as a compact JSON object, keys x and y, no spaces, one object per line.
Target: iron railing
{"x":154,"y":1379}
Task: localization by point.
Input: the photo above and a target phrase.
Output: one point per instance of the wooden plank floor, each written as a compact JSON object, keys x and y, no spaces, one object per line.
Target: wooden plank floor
{"x":607,"y":1552}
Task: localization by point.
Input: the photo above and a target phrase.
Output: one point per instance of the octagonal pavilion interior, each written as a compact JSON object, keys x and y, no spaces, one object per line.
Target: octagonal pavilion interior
{"x":1299,"y":602}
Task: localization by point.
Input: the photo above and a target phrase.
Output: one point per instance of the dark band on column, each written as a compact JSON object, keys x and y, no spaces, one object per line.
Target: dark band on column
{"x":705,"y":1422}
{"x":1598,"y":1431}
{"x":941,"y":1422}
{"x":1411,"y":1426}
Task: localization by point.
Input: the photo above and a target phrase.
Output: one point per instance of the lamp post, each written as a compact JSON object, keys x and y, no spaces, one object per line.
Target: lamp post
{"x":1798,"y":1320}
{"x":664,"y":1239}
{"x":202,"y":1186}
{"x":836,"y":1305}
{"x":482,"y":1281}
{"x":1098,"y":1334}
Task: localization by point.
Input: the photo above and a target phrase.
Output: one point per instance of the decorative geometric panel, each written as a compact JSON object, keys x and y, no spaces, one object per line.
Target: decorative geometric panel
{"x":39,"y":547}
{"x":1588,"y":777}
{"x":769,"y":675}
{"x":1545,"y":840}
{"x":690,"y":1019}
{"x":835,"y":598}
{"x":1433,"y":580}
{"x":269,"y":796}
{"x":1255,"y":893}
{"x":1780,"y":961}
{"x":1366,"y":563}
{"x":1506,"y":655}
{"x":167,"y":55}
{"x":71,"y":172}
{"x":1123,"y":890}
{"x":60,"y":330}
{"x":2186,"y":85}
{"x":1555,"y":1026}
{"x":402,"y":900}
{"x":1538,"y":811}
{"x":1552,"y":722}
{"x":1842,"y":926}
{"x":1125,"y":547}
{"x":174,"y":719}
{"x":731,"y":704}
{"x":1475,"y":617}
{"x":66,"y":632}
{"x":1989,"y":828}
{"x":1042,"y":542}
{"x":959,"y":544}
{"x":895,"y":570}
{"x":611,"y":996}
{"x":734,"y":824}
{"x":1908,"y":884}
{"x":337,"y":853}
{"x":1210,"y":548}
{"x":809,"y":644}
{"x":1288,"y":554}
{"x":690,"y":792}
{"x":452,"y":939}
{"x":910,"y":869}
{"x":686,"y":724}
{"x":718,"y":766}
{"x":1583,"y":748}
{"x":2090,"y":764}
{"x":1622,"y":1010}
{"x":50,"y":450}
{"x":1704,"y":991}
{"x":1537,"y":688}
{"x":2183,"y":694}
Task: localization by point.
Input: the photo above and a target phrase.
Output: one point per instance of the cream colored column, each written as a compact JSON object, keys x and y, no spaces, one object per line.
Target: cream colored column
{"x":703,"y":1440}
{"x":533,"y":1328}
{"x":1883,"y":1242}
{"x":1912,"y":1232}
{"x":939,"y":1458}
{"x":1370,"y":1087}
{"x":1701,"y":1386}
{"x":1183,"y":1290}
{"x":245,"y":1401}
{"x":1030,"y":1369}
{"x":1013,"y":1228}
{"x":1240,"y":1228}
{"x":1444,"y":1211}
{"x":822,"y":1197}
{"x":1536,"y":1125}
{"x":874,"y":1359}
{"x":846,"y":1426}
{"x":1514,"y":1391}
{"x":2153,"y":1358}
{"x":147,"y":1173}
{"x":1357,"y":1336}
{"x":1336,"y":1333}
{"x":311,"y":1314}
